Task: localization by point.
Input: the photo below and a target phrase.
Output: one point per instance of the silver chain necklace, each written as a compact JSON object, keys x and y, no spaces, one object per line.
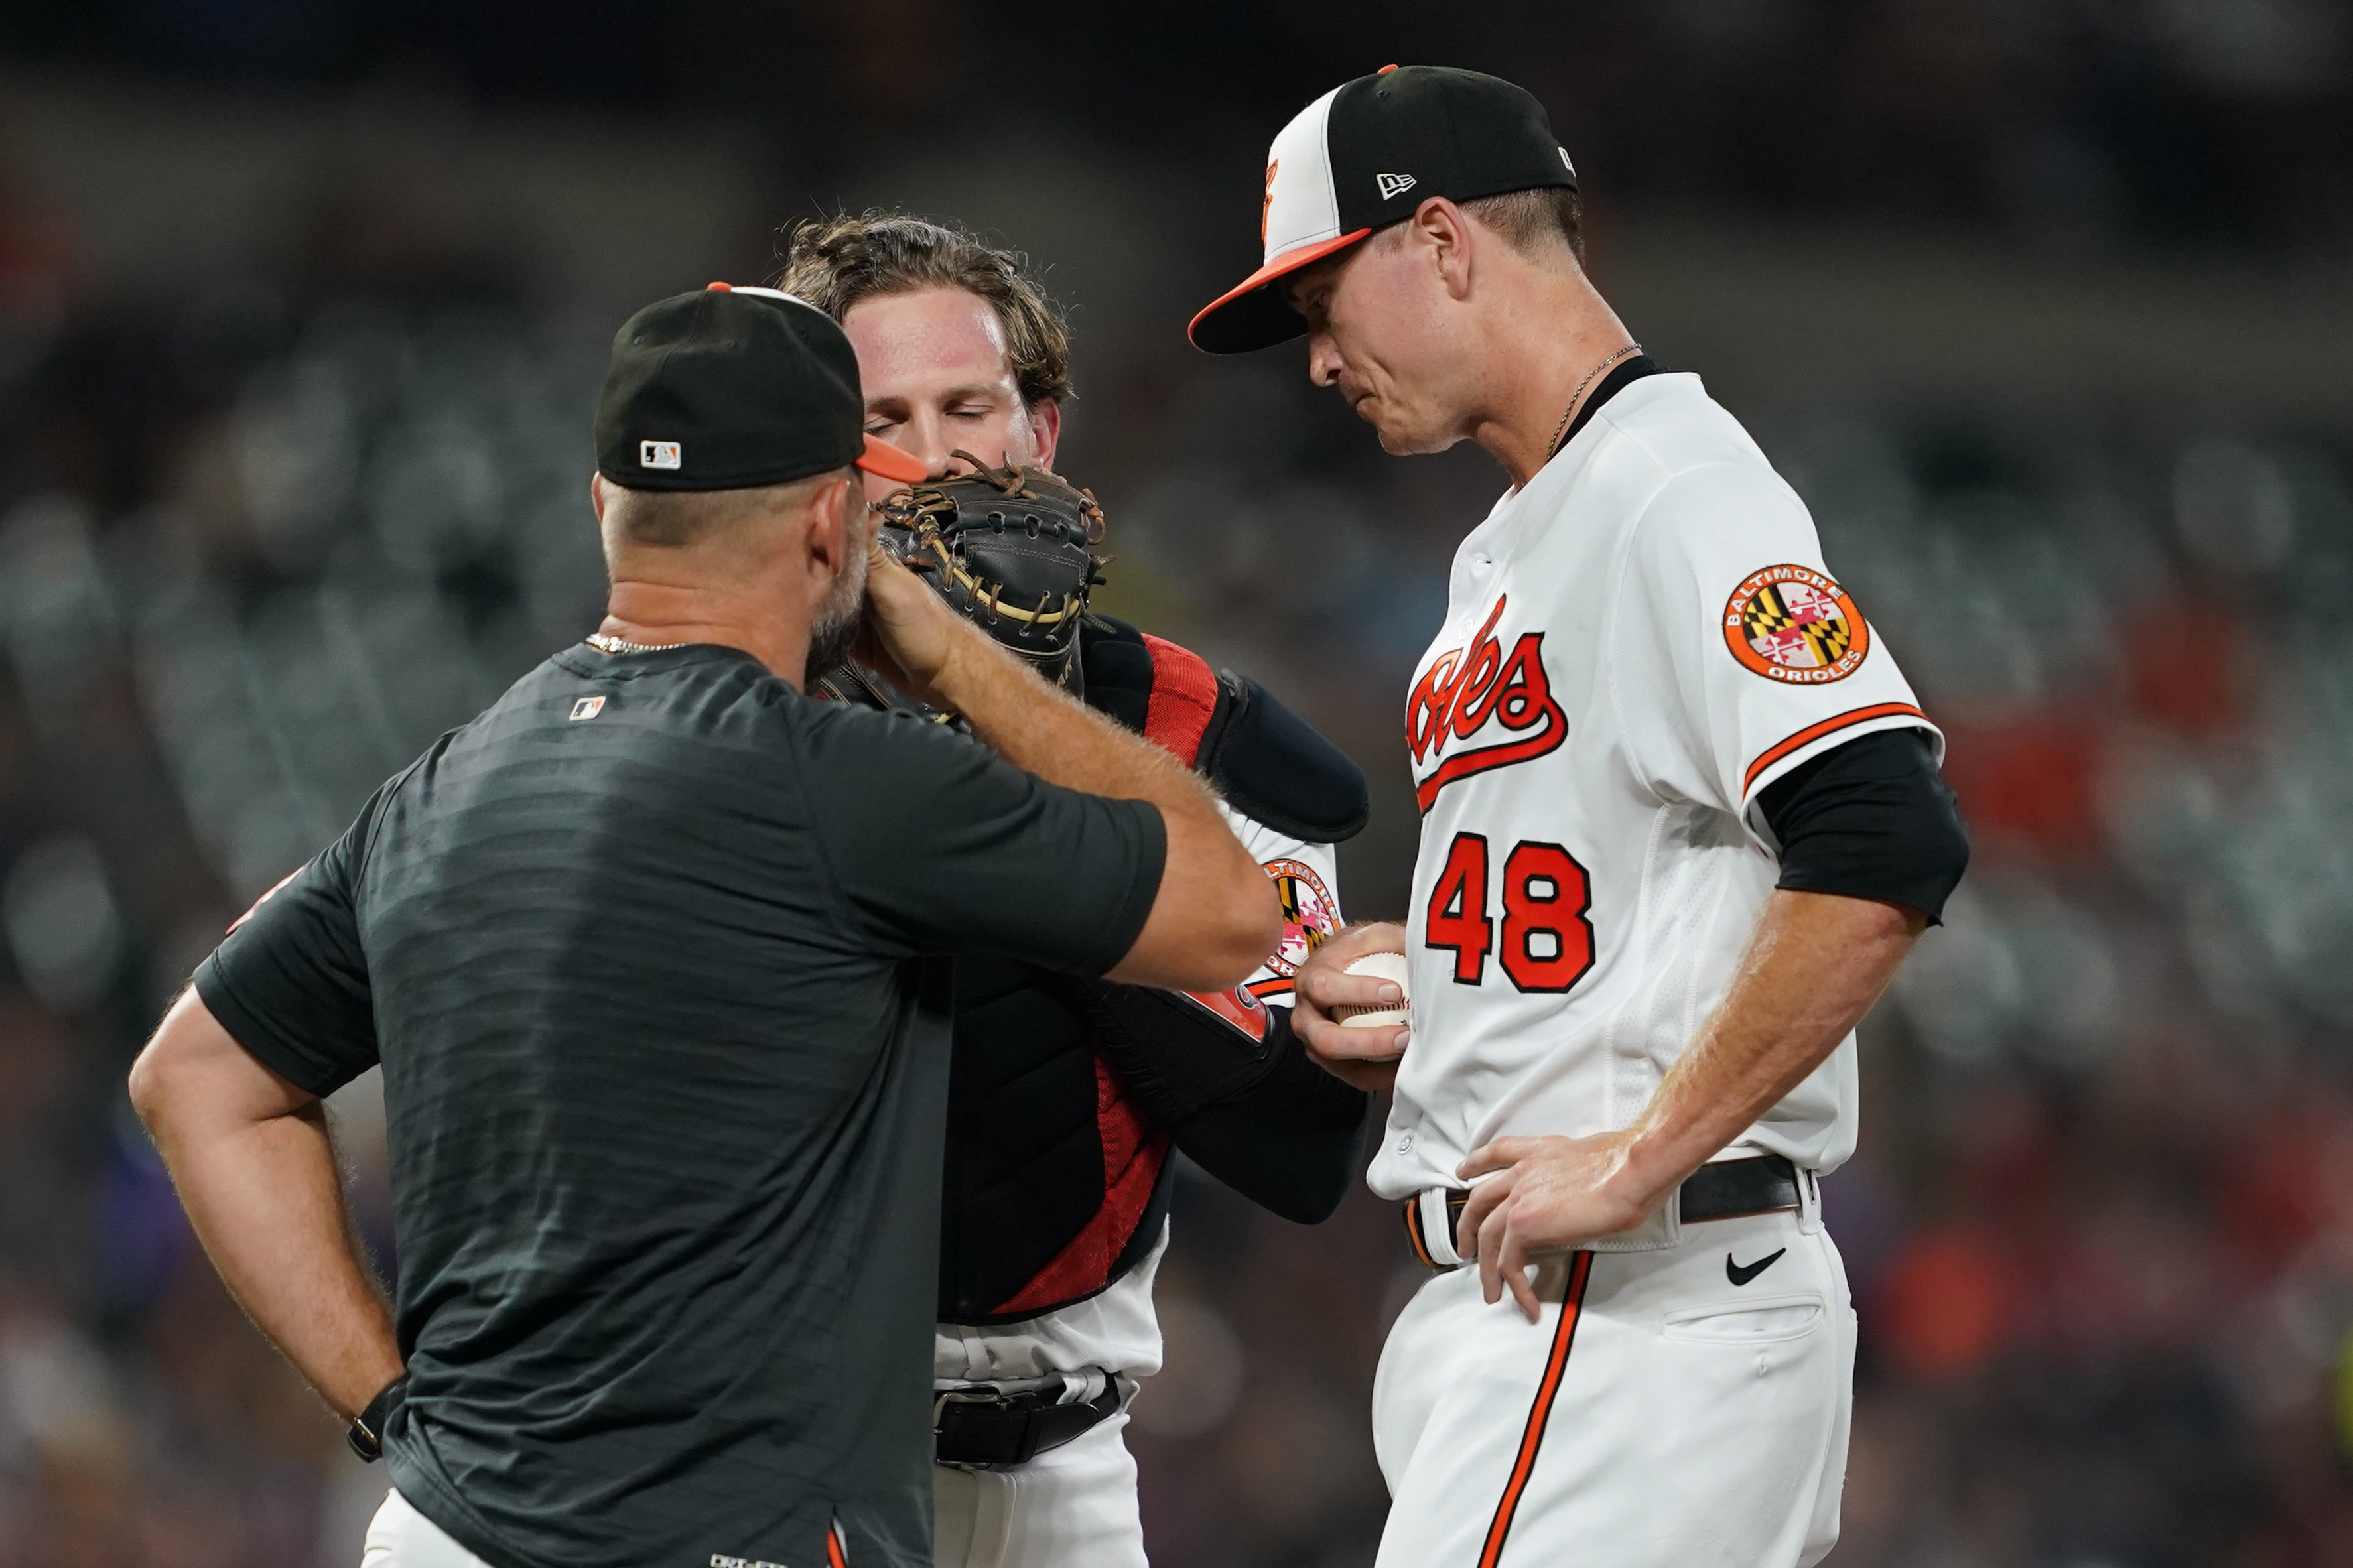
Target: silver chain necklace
{"x":603,"y":644}
{"x":1560,"y":431}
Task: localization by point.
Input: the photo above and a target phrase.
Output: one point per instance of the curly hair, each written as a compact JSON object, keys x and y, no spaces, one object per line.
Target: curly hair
{"x":835,"y":262}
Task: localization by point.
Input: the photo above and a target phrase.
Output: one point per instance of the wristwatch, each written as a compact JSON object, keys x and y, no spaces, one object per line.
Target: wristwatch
{"x":366,"y":1434}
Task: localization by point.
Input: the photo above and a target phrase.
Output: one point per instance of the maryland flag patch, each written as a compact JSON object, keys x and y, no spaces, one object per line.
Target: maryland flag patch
{"x":1792,"y":623}
{"x":1310,"y":913}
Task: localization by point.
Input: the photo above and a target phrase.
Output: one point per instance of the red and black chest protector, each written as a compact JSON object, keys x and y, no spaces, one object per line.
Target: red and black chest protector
{"x":1057,"y":1161}
{"x":1057,"y":1176}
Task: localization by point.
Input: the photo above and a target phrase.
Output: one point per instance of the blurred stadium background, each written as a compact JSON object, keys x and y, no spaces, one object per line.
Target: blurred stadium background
{"x":2045,"y":307}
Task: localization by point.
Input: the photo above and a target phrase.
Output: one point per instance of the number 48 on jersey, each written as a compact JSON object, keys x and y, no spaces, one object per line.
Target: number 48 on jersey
{"x":1545,"y":943}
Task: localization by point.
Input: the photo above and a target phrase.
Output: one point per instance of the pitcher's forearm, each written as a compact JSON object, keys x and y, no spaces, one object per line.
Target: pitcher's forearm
{"x":1815,"y":966}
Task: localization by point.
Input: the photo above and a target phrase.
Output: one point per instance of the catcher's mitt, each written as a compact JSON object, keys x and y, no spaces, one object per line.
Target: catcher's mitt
{"x":1009,"y":549}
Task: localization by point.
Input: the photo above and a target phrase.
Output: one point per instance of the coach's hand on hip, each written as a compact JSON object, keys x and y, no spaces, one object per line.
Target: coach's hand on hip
{"x":1360,"y":1057}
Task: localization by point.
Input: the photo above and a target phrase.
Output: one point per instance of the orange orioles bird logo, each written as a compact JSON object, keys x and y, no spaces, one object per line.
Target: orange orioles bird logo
{"x":1266,"y":207}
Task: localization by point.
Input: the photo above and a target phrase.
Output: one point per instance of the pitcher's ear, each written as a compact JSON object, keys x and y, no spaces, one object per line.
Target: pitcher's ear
{"x":1445,"y":228}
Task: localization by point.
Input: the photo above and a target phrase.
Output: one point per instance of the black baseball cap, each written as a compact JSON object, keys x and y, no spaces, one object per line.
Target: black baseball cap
{"x":1364,"y":156}
{"x":729,"y":388}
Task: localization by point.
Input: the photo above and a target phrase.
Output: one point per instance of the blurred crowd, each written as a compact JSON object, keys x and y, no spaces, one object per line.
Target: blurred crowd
{"x":2073,"y":122}
{"x":264,"y":536}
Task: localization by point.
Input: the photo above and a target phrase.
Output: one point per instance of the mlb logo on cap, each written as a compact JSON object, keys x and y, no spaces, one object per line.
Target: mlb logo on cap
{"x":1364,"y":156}
{"x":658,"y":455}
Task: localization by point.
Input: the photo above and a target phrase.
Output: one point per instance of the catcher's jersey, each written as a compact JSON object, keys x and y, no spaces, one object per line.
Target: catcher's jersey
{"x":1635,"y":644}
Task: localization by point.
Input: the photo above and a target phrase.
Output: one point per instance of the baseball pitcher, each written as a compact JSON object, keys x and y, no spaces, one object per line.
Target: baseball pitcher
{"x":1066,"y":1099}
{"x":1681,"y":818}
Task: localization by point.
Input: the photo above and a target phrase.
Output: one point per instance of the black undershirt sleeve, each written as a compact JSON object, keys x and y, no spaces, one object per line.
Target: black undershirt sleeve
{"x":1871,"y":819}
{"x":1255,"y":1113}
{"x":1291,"y":1141}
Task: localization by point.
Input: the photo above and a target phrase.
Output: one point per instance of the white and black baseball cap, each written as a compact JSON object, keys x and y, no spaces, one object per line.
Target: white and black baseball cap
{"x":1364,"y":156}
{"x":731,"y":387}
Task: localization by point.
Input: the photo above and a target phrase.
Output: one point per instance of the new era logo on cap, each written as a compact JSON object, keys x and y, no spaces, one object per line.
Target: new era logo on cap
{"x":657,"y":453}
{"x":1334,"y":175}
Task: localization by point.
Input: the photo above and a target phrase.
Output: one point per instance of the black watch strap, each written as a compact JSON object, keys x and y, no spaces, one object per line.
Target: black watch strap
{"x":366,"y":1434}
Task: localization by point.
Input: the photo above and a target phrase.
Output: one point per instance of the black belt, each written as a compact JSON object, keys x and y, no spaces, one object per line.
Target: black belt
{"x":984,"y":1426}
{"x":1729,"y":1189}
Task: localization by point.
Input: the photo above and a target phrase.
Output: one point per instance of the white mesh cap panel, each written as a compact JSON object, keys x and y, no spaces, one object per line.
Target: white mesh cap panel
{"x":1301,"y":208}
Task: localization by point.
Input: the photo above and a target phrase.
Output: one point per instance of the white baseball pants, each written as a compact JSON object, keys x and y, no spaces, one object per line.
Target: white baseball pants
{"x":1661,"y":1413}
{"x":1072,"y":1506}
{"x":400,"y":1537}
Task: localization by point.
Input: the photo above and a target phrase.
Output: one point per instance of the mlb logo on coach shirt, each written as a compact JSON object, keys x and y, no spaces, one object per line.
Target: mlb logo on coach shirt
{"x":658,"y":455}
{"x":588,"y":708}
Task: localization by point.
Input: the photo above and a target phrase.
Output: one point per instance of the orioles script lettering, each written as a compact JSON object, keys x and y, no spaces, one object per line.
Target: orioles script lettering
{"x":1481,"y":688}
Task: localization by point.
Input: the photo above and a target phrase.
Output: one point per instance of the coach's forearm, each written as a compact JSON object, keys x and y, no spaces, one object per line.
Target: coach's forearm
{"x":256,"y":1172}
{"x":1214,"y":918}
{"x":1815,"y":966}
{"x":267,"y":1203}
{"x":1043,"y":730}
{"x":934,"y":655}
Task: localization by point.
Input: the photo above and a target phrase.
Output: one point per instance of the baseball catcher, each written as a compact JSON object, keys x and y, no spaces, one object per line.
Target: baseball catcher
{"x":1066,"y":1098}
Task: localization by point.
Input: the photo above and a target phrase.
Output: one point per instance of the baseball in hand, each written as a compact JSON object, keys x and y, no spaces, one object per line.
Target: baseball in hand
{"x":1388,"y":966}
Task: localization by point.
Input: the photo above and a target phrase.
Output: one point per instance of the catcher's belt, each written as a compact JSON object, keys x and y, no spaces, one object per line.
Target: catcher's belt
{"x":1010,"y":550}
{"x":985,"y":1426}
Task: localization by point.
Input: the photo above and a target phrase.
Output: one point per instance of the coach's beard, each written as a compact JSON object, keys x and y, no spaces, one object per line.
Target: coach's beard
{"x":837,"y":620}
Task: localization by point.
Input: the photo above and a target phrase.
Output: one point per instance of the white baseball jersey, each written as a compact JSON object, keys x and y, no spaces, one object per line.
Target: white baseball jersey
{"x":1636,"y":643}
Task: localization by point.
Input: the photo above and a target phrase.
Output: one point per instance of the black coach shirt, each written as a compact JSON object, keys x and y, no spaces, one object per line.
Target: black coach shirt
{"x":647,"y":951}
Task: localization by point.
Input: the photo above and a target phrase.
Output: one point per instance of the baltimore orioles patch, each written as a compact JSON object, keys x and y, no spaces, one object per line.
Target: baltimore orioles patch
{"x":1794,"y":625}
{"x":1310,"y":913}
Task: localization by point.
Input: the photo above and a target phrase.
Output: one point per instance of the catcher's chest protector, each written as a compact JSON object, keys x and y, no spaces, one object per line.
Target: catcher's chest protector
{"x":1056,"y":1177}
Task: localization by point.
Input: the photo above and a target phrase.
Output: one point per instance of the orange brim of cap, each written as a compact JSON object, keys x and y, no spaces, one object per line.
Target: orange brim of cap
{"x":883,"y":459}
{"x":1262,"y":323}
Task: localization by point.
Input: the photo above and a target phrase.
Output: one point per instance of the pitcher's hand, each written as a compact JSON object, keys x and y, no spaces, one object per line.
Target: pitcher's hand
{"x":1546,"y":1195}
{"x":1361,"y":1058}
